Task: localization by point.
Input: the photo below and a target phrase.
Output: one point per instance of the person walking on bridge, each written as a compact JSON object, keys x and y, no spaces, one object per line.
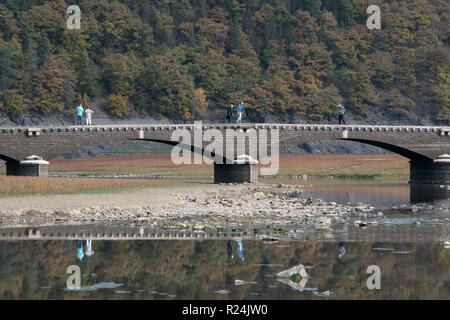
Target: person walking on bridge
{"x":230,"y":113}
{"x":239,"y":112}
{"x":89,"y":114}
{"x":80,"y":111}
{"x":341,"y":111}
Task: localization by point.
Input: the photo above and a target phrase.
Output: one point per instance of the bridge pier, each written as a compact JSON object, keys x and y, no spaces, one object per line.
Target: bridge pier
{"x":32,"y":166}
{"x":430,"y":180}
{"x":243,"y":169}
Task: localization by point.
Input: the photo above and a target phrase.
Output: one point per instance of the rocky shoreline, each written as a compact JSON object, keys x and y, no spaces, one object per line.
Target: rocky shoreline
{"x":262,"y":204}
{"x":218,"y":207}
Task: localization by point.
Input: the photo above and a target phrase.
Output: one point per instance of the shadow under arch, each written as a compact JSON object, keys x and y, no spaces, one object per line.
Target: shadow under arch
{"x":411,"y":155}
{"x":192,"y":148}
{"x":7,"y":158}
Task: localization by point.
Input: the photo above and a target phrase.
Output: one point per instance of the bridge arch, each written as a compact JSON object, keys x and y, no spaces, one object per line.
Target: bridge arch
{"x":6,"y":158}
{"x":399,"y":149}
{"x":411,"y":155}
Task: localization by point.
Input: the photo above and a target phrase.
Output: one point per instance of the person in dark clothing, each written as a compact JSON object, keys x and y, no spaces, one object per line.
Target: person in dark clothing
{"x":230,"y":249}
{"x":230,"y":113}
{"x":341,"y":111}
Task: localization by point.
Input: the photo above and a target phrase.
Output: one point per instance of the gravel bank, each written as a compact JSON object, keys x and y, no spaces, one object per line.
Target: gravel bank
{"x":192,"y":207}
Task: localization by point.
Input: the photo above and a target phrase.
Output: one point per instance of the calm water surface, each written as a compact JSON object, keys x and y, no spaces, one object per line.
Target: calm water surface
{"x":203,"y":270}
{"x":377,"y":193}
{"x":411,"y":249}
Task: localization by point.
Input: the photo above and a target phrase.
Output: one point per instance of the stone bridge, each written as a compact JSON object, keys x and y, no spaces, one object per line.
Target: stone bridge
{"x":427,"y":147}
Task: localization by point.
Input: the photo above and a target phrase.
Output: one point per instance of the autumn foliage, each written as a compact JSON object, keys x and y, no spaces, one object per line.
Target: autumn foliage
{"x":189,"y":59}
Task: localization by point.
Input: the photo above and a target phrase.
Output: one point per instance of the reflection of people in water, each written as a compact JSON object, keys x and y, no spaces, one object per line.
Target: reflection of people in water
{"x":239,"y":250}
{"x":230,"y":249}
{"x":89,"y":251}
{"x":341,"y":250}
{"x":80,"y":252}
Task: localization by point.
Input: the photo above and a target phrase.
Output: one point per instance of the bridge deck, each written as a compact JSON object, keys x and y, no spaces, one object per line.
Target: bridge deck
{"x":233,"y":126}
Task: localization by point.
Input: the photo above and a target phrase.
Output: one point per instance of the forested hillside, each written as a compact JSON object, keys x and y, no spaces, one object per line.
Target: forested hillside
{"x":295,"y":59}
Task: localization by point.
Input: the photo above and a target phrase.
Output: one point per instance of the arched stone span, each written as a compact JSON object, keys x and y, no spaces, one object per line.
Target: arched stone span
{"x":410,"y":154}
{"x":424,"y":145}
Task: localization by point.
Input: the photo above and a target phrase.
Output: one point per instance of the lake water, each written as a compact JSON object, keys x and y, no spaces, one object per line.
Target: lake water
{"x":377,"y":193}
{"x":176,"y":269}
{"x":410,"y":247}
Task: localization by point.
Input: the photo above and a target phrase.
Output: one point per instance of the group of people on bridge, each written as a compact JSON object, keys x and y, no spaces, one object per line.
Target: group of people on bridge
{"x":88,"y":112}
{"x":230,"y":112}
{"x":238,"y":111}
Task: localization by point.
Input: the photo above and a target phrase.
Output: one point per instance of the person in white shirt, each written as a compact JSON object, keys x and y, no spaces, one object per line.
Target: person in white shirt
{"x":88,"y":113}
{"x":89,"y":251}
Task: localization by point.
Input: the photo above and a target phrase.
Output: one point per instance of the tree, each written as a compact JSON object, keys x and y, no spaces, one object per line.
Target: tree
{"x":200,"y":104}
{"x":313,"y":7}
{"x":116,"y":75}
{"x":358,"y":92}
{"x":14,"y":102}
{"x":164,"y":88}
{"x":118,"y":106}
{"x":324,"y":104}
{"x":8,"y":26}
{"x":8,"y":67}
{"x":52,"y":88}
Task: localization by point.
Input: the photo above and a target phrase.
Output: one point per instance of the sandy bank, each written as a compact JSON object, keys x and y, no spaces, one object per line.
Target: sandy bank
{"x":148,"y":197}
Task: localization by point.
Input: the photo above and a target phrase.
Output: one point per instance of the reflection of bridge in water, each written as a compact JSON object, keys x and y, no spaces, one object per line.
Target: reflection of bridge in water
{"x":346,"y":233}
{"x":110,"y":233}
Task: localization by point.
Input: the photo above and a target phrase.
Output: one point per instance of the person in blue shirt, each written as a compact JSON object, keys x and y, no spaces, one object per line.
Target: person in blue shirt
{"x":341,"y":111}
{"x":80,"y":111}
{"x":240,"y":250}
{"x":239,"y":112}
{"x":80,"y":252}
